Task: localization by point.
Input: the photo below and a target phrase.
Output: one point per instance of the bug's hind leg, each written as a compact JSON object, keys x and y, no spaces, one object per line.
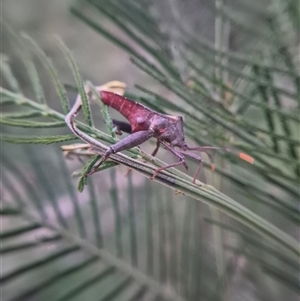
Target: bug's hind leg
{"x":128,"y":142}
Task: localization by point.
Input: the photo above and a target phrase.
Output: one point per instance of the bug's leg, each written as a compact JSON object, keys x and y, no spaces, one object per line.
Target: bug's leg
{"x":152,"y":154}
{"x":211,"y":160}
{"x":177,"y":154}
{"x":122,"y":126}
{"x":156,"y":148}
{"x":206,"y":149}
{"x":69,"y":119}
{"x":156,"y":171}
{"x":198,"y":158}
{"x":128,"y":142}
{"x":103,"y":158}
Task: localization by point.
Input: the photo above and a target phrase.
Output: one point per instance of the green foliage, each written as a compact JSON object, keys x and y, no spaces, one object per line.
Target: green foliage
{"x":38,"y":139}
{"x":52,"y":71}
{"x":229,"y":99}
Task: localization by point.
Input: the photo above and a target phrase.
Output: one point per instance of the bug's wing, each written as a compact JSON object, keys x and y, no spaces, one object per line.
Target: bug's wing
{"x":138,"y":115}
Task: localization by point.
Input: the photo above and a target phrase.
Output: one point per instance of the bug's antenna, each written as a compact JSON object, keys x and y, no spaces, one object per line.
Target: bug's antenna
{"x":205,"y":149}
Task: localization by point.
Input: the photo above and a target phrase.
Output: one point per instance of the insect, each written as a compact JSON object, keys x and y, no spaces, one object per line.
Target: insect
{"x":144,"y":124}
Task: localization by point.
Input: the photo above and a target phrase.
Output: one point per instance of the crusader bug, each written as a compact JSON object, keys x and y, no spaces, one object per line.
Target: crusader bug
{"x":144,"y":124}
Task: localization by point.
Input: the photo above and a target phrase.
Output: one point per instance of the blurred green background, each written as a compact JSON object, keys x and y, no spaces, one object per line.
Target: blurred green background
{"x":126,"y":237}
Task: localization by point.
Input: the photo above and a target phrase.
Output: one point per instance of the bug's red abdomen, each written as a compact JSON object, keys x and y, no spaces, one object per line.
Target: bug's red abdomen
{"x":138,"y":115}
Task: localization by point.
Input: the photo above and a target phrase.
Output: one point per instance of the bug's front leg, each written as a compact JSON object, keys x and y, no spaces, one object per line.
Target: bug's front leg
{"x":199,"y":159}
{"x":128,"y":142}
{"x":156,"y":148}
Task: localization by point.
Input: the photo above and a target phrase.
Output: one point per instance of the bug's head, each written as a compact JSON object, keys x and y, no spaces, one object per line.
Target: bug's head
{"x":169,"y":129}
{"x":179,"y":138}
